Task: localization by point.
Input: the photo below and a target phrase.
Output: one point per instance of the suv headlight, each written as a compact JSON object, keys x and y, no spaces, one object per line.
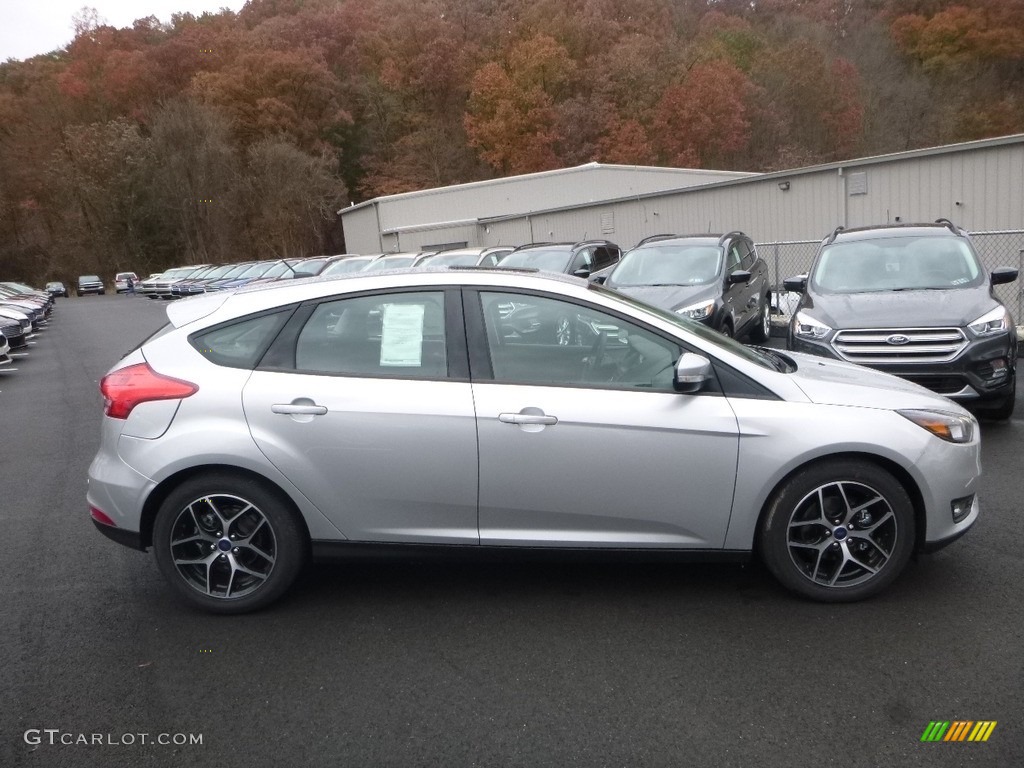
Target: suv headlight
{"x":807,"y":327}
{"x":991,"y":323}
{"x":950,"y":427}
{"x":700,"y":311}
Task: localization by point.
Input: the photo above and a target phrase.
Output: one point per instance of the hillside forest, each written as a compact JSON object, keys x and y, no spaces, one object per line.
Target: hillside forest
{"x":234,"y":136}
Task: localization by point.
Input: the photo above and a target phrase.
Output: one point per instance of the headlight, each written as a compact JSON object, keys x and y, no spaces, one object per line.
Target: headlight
{"x":949,"y":426}
{"x":700,"y":311}
{"x":991,"y":323}
{"x":809,"y":328}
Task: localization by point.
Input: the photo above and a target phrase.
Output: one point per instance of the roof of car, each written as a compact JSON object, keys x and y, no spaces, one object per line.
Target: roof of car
{"x":896,"y":230}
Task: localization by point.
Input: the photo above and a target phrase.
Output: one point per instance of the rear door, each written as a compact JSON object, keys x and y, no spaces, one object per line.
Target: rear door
{"x":364,"y":403}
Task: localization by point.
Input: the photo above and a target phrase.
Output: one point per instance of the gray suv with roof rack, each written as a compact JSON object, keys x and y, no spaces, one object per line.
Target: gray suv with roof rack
{"x":580,"y":259}
{"x":717,"y":280}
{"x":912,"y":300}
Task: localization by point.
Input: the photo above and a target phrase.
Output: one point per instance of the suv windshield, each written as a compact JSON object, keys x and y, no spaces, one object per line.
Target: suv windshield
{"x":897,"y":264}
{"x":668,"y":265}
{"x":538,"y":258}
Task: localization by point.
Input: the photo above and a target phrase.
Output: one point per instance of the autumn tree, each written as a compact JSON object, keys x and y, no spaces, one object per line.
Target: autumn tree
{"x":702,"y":122}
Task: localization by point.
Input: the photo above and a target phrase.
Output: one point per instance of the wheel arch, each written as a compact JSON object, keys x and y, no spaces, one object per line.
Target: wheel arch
{"x":166,"y":486}
{"x":902,"y":476}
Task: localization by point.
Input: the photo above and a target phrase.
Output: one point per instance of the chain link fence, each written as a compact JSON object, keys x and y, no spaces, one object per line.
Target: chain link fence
{"x":1003,"y":248}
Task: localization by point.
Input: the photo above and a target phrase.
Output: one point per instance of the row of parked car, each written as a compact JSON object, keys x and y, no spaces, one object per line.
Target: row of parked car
{"x":908,"y":299}
{"x":24,"y":312}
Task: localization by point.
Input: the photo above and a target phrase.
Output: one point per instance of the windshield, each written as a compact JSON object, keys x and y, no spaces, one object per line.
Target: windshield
{"x":311,"y":266}
{"x":538,"y":258}
{"x":751,"y":354}
{"x":256,"y":270}
{"x":344,"y":266}
{"x":278,"y":270}
{"x":897,"y":264}
{"x":451,"y":260}
{"x":391,"y":263}
{"x":214,"y":272}
{"x":668,"y":265}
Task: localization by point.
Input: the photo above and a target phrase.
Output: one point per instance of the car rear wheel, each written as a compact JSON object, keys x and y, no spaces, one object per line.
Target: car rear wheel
{"x":228,"y":544}
{"x":763,"y":329}
{"x":838,"y":531}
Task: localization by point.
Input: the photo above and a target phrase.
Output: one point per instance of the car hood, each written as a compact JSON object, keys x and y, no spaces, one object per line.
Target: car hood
{"x":900,"y":309}
{"x":833,"y":382}
{"x":670,"y":297}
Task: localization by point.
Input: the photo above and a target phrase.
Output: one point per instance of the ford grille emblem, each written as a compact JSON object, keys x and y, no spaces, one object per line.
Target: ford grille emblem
{"x":898,"y":338}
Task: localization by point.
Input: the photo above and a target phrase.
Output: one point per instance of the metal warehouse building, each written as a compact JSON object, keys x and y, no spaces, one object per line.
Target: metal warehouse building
{"x":978,"y":185}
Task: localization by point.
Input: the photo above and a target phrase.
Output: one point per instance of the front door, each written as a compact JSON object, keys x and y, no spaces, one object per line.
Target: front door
{"x":587,"y":444}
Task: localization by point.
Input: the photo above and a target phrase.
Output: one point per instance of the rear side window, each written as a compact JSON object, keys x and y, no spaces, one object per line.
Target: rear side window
{"x":399,"y":334}
{"x":240,"y":343}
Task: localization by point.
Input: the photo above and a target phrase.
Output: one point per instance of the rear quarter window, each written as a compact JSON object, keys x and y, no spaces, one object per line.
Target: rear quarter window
{"x":240,"y":343}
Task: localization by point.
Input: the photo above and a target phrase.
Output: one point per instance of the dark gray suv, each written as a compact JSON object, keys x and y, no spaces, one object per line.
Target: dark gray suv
{"x":912,"y":300}
{"x":717,"y":280}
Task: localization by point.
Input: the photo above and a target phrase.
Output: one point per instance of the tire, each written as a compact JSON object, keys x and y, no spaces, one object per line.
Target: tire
{"x":825,"y":539}
{"x":763,"y":328}
{"x":726,"y":328}
{"x":255,"y":558}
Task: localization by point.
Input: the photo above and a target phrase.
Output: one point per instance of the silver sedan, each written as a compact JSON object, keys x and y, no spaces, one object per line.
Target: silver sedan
{"x":437,"y":408}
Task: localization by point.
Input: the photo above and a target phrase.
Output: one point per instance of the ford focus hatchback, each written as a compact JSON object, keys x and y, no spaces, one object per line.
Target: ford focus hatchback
{"x":432,"y":409}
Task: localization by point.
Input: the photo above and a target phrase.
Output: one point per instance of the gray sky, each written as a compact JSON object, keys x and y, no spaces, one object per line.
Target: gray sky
{"x":31,"y":27}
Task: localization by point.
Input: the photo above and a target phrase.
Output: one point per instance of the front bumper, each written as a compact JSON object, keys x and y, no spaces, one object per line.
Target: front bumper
{"x":969,"y":378}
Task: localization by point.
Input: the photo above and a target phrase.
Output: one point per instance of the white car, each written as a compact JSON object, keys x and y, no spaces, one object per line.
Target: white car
{"x":441,"y":408}
{"x":121,"y":281}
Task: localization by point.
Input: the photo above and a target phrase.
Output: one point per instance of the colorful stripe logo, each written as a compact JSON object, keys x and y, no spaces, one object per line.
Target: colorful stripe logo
{"x":958,"y":730}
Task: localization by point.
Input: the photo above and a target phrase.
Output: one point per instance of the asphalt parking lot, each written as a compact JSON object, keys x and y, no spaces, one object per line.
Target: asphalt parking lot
{"x":472,"y":663}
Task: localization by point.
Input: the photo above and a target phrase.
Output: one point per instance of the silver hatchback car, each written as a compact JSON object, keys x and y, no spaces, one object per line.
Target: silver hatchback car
{"x":437,"y":408}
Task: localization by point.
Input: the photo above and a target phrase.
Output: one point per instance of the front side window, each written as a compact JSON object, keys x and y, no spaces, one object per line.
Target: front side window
{"x":735,"y":257}
{"x":547,"y":341}
{"x":897,"y":263}
{"x":396,"y":334}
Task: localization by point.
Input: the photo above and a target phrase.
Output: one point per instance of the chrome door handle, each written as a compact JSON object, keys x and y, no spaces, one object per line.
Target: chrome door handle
{"x":305,"y":410}
{"x":526,"y":418}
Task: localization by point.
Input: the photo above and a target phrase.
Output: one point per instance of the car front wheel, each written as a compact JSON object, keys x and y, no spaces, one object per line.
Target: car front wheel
{"x":838,"y":531}
{"x":228,"y":544}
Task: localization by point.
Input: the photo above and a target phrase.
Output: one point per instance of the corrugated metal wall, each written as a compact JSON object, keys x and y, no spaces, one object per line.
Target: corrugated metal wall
{"x":986,"y":180}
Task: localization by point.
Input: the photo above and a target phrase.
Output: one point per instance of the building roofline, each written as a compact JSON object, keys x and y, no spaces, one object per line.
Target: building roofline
{"x":543,"y":174}
{"x":1016,"y":138}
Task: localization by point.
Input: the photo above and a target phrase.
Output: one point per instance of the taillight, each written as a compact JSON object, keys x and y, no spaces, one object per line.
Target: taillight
{"x":124,"y":389}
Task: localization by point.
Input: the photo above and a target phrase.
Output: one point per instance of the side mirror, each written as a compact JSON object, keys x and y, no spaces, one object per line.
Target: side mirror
{"x":1003,"y":275}
{"x":796,"y":284}
{"x":598,"y":279}
{"x":692,"y":371}
{"x":582,"y":272}
{"x":739,"y":276}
